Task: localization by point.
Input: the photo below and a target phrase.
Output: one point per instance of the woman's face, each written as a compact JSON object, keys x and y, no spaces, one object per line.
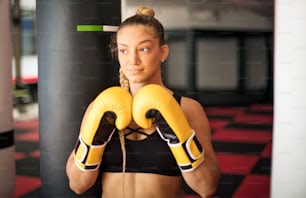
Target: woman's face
{"x":140,"y":54}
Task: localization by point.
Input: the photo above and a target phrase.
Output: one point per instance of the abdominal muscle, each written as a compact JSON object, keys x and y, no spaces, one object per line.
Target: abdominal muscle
{"x":140,"y":185}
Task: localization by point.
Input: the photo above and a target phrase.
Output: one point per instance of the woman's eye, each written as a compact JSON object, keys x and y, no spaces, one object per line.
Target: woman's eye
{"x":123,"y":51}
{"x":144,"y":49}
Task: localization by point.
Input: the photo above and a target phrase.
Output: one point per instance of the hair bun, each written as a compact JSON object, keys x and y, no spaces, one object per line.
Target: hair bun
{"x":145,"y":11}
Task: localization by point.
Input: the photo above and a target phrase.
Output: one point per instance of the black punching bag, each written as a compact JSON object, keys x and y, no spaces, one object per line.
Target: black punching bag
{"x":74,"y":65}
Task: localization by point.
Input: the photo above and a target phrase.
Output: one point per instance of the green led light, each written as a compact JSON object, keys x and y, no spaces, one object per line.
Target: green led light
{"x":89,"y":28}
{"x":96,"y":28}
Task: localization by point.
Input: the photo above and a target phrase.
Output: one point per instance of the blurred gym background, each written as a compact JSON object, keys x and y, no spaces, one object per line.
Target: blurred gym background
{"x":221,"y":53}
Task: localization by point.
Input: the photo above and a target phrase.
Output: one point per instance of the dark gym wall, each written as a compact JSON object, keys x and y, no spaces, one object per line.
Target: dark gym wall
{"x":73,"y":67}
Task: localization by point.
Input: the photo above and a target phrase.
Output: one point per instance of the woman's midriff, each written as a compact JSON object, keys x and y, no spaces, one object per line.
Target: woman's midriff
{"x":139,"y":185}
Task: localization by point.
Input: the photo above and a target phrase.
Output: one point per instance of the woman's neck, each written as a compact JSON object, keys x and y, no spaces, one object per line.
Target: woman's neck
{"x":134,"y":87}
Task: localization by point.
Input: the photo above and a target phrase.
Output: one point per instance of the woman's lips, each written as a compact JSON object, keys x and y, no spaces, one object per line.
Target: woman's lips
{"x":134,"y":71}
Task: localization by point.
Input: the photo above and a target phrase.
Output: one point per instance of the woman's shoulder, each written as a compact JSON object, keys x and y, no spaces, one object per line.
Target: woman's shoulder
{"x":191,"y":106}
{"x":196,"y":116}
{"x":187,"y":101}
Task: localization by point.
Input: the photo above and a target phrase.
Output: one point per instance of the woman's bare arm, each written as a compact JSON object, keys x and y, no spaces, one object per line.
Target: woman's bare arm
{"x":79,"y":181}
{"x":205,"y":177}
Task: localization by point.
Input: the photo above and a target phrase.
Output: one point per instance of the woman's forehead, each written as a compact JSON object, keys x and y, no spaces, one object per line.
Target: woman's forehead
{"x":137,"y":29}
{"x":136,"y":33}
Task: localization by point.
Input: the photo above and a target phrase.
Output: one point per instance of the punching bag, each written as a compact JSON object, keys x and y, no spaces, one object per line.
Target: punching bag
{"x":74,"y":65}
{"x":7,"y":148}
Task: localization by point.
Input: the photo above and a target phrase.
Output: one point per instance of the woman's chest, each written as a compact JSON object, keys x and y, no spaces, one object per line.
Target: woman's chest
{"x":149,"y":155}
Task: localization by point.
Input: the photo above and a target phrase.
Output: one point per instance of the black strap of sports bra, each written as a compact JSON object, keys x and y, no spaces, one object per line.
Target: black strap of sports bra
{"x":177,"y":97}
{"x":137,"y":130}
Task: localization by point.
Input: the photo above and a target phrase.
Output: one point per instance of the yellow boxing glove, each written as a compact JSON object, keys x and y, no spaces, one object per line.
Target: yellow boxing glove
{"x":155,"y":103}
{"x":110,"y":109}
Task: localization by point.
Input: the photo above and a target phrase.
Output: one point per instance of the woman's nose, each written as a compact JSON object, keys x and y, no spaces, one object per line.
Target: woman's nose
{"x":134,"y":58}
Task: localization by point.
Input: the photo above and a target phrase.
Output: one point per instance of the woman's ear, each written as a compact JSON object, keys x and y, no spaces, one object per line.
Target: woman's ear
{"x":165,"y":52}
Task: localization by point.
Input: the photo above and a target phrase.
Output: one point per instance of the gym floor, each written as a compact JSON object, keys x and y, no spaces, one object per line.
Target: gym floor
{"x":242,"y":138}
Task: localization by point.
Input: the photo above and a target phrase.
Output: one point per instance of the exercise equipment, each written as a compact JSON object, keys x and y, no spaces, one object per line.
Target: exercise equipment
{"x":73,"y":67}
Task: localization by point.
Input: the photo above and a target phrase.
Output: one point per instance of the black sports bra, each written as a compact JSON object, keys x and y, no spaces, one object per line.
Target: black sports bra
{"x":149,"y":155}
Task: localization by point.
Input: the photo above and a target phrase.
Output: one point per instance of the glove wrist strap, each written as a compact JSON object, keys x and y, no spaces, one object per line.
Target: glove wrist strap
{"x":189,"y":154}
{"x":88,"y":157}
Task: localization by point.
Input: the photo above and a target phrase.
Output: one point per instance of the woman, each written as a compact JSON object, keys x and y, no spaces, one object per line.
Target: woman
{"x":138,"y":162}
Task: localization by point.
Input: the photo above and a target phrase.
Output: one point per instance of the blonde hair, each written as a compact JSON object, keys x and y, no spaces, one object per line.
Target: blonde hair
{"x":124,"y":83}
{"x":145,"y":11}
